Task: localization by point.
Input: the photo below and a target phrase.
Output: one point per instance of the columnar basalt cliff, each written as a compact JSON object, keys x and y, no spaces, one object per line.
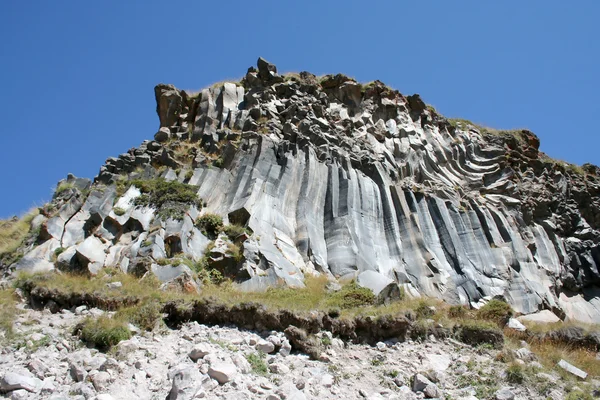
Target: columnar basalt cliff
{"x":330,"y":176}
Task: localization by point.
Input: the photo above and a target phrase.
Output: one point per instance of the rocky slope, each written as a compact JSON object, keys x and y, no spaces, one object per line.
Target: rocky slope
{"x":215,"y":362}
{"x":330,"y":176}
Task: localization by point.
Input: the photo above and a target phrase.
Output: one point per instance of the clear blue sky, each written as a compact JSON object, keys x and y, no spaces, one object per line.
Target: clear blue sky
{"x":78,"y":76}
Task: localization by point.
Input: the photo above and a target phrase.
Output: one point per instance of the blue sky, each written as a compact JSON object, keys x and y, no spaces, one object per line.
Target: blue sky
{"x":78,"y":76}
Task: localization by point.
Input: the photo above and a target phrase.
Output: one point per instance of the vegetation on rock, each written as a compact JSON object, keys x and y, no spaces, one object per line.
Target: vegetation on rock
{"x":170,"y":198}
{"x":8,"y":312}
{"x":495,"y":310}
{"x":63,"y":187}
{"x":119,"y":211}
{"x":12,"y":234}
{"x":103,"y":332}
{"x":210,"y":224}
{"x":234,"y":231}
{"x":258,"y":364}
{"x":141,"y":302}
{"x":351,"y":296}
{"x":146,"y":316}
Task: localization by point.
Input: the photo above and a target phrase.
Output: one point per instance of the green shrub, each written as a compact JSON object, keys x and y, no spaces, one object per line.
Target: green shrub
{"x":376,"y":361}
{"x":514,"y":374}
{"x":258,"y":364}
{"x":189,"y":174}
{"x":119,"y":211}
{"x":8,"y":311}
{"x":203,"y":270}
{"x":121,"y":186}
{"x":477,"y":332}
{"x":144,"y":316}
{"x":170,"y":211}
{"x":201,"y":267}
{"x":210,"y":224}
{"x":424,"y":310}
{"x":393,"y":373}
{"x":167,"y":261}
{"x":219,"y":162}
{"x":63,"y":187}
{"x":421,"y":329}
{"x":14,"y":231}
{"x":496,"y":311}
{"x":457,"y":311}
{"x":235,"y":251}
{"x":103,"y":332}
{"x":351,"y":296}
{"x":171,"y":198}
{"x":234,"y":231}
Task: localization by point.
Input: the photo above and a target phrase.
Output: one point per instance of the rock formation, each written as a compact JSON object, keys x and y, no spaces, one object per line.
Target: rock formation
{"x":330,"y":176}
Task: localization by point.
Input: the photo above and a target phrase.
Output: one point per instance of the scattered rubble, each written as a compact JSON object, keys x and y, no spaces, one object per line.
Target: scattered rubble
{"x":199,"y":361}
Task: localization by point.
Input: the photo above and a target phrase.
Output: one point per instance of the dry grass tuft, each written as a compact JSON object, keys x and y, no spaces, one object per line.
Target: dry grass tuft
{"x":550,"y":352}
{"x":13,"y":232}
{"x":143,"y":289}
{"x":466,"y":124}
{"x":8,"y":311}
{"x":539,"y":328}
{"x":103,"y":332}
{"x":299,"y":299}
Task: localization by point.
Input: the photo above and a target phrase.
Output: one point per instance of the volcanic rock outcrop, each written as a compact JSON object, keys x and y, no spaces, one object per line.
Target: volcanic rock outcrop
{"x":330,"y":176}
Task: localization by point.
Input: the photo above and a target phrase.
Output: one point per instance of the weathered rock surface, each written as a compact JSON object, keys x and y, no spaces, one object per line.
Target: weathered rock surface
{"x":349,"y":180}
{"x":14,"y":381}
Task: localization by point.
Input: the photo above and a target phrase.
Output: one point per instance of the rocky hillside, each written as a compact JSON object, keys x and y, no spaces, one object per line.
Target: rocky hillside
{"x":279,"y":177}
{"x":198,"y":361}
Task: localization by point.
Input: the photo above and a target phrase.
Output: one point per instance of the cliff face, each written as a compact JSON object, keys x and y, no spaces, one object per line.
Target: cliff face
{"x":344,"y":179}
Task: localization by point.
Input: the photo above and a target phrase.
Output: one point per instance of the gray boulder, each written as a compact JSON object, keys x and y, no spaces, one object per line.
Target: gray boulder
{"x":167,"y":273}
{"x":505,"y":393}
{"x":515,"y":324}
{"x":162,"y":135}
{"x":420,"y":382}
{"x":77,"y":372}
{"x":222,"y":372}
{"x":199,"y":351}
{"x":573,"y":370}
{"x":268,"y":72}
{"x":542,"y":317}
{"x":15,"y":381}
{"x":91,"y":254}
{"x":39,"y":259}
{"x":265,"y":346}
{"x":186,"y":384}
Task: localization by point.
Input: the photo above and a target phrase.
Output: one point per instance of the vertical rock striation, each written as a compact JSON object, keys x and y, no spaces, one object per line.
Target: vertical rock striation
{"x":349,"y":180}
